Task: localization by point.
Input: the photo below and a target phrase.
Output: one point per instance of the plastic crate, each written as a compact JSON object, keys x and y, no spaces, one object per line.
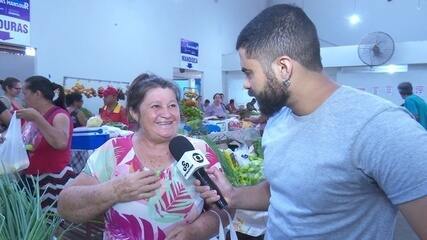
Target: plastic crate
{"x":88,"y":140}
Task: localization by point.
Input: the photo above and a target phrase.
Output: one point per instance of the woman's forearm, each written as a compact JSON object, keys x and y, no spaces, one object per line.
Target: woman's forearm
{"x":82,"y":203}
{"x":207,"y":224}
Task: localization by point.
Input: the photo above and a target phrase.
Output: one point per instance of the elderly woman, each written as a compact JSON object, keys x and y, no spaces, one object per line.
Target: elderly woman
{"x":134,"y":181}
{"x":217,"y":108}
{"x":47,"y":132}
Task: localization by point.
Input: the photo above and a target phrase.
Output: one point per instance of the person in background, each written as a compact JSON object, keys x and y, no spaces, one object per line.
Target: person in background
{"x":231,"y":108}
{"x":217,"y":108}
{"x":222,"y":99}
{"x":250,"y":106}
{"x":416,"y":105}
{"x":12,"y":88}
{"x":47,"y":131}
{"x":206,"y":105}
{"x":88,"y":114}
{"x":199,"y":101}
{"x":260,"y":121}
{"x":134,"y":182}
{"x":74,"y":104}
{"x":112,"y":111}
{"x":5,"y":117}
{"x":332,"y":171}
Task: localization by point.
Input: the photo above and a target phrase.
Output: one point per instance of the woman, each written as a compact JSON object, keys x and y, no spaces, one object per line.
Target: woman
{"x":112,"y":111}
{"x":217,"y":108}
{"x":12,"y":88}
{"x":74,"y":104}
{"x":4,"y":120}
{"x":134,"y":181}
{"x":47,"y":132}
{"x":231,"y":108}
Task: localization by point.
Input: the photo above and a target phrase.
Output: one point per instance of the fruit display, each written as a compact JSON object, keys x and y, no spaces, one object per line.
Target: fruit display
{"x":191,"y":113}
{"x":189,"y":109}
{"x":80,"y":88}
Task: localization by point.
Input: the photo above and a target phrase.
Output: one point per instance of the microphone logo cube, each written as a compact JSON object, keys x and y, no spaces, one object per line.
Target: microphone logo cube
{"x":190,"y":162}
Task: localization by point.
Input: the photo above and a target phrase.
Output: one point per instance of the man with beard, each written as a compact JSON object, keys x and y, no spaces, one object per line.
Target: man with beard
{"x":332,"y":172}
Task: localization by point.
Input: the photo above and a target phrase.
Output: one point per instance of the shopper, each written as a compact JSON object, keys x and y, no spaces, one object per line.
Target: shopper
{"x":47,"y":131}
{"x":416,"y":105}
{"x":231,"y":108}
{"x":74,"y":104}
{"x":12,"y":88}
{"x":5,"y":117}
{"x":217,"y":108}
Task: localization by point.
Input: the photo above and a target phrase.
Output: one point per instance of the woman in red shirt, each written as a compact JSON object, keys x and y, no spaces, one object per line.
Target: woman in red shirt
{"x":112,"y":110}
{"x":47,"y":132}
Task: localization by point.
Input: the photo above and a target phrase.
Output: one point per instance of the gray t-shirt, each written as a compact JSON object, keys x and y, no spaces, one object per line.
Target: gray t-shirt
{"x":341,"y":171}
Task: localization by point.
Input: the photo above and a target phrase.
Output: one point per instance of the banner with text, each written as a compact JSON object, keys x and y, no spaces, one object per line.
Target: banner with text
{"x":15,"y":22}
{"x":189,"y":54}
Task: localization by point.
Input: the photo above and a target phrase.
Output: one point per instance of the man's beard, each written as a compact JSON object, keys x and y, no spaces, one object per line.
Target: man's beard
{"x":273,"y":97}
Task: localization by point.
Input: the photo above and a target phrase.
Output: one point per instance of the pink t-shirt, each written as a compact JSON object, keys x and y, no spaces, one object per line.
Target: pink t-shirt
{"x":175,"y":202}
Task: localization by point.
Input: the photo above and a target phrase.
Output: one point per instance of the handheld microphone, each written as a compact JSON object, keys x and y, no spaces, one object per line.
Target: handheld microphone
{"x":191,"y":162}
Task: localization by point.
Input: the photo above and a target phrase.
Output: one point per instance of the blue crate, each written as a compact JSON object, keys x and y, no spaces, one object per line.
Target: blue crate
{"x":88,"y":140}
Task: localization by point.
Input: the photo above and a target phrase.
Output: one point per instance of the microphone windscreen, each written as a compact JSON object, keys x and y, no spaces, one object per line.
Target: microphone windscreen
{"x":179,"y":145}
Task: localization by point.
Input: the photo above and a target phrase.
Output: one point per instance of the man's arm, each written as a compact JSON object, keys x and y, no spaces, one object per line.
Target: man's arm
{"x":391,"y":150}
{"x":255,"y":198}
{"x":415,"y":213}
{"x":259,"y":200}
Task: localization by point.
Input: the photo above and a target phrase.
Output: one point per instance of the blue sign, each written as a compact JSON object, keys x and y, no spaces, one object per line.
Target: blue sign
{"x":15,"y":22}
{"x":189,"y":54}
{"x":189,"y":47}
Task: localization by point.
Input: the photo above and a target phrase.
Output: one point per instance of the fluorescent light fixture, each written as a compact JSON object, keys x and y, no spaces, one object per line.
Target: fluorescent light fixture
{"x":29,"y":51}
{"x":390,"y":69}
{"x":354,"y":19}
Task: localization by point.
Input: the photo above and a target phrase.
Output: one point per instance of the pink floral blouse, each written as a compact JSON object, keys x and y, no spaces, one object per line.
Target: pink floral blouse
{"x":176,"y":201}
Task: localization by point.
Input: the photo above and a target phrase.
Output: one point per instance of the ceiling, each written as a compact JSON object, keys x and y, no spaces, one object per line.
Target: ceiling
{"x":404,"y":20}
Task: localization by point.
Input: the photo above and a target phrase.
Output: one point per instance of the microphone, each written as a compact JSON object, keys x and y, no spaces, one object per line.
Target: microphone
{"x":191,"y":163}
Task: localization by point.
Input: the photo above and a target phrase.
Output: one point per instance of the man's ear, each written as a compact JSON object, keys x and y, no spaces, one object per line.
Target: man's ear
{"x":282,"y":68}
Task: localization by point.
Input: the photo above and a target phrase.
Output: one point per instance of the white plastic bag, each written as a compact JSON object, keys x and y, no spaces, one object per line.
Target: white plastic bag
{"x":13,"y":155}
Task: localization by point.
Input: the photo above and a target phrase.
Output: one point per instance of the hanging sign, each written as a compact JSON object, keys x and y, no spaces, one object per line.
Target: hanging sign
{"x":15,"y":22}
{"x":189,"y":54}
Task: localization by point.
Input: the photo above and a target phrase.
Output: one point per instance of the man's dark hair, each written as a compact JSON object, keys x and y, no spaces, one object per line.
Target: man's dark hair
{"x":405,"y":88}
{"x":281,"y":30}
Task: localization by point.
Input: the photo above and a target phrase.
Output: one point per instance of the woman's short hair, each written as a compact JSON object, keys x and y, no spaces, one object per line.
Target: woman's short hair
{"x":144,"y":83}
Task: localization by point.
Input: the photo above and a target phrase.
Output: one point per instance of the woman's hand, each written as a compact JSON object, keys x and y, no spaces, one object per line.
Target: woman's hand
{"x":28,"y":114}
{"x":135,"y":186}
{"x":211,"y":196}
{"x":183,"y":232}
